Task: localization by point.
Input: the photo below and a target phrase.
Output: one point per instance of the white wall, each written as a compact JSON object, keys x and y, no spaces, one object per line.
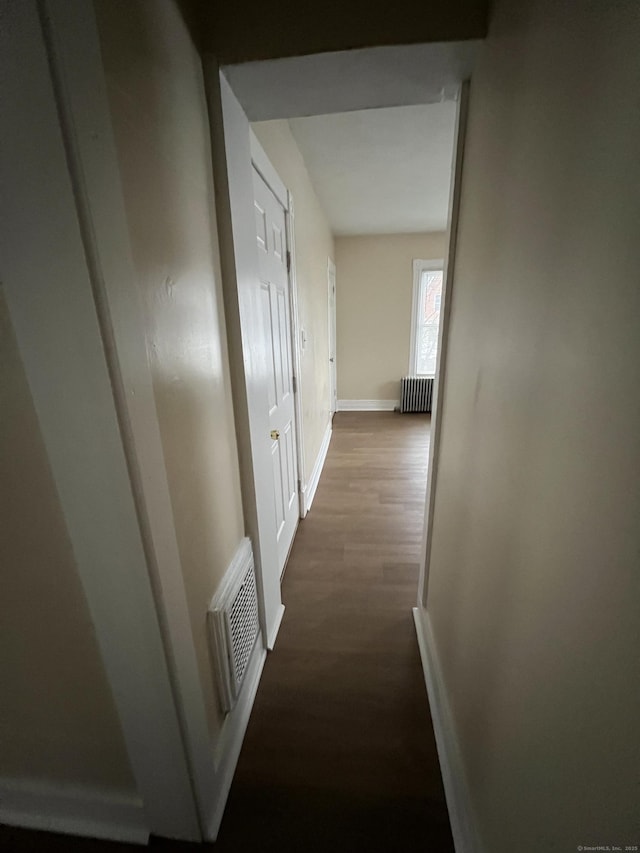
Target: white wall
{"x":47,"y":281}
{"x":58,"y":721}
{"x":374,"y":304}
{"x":534,"y":584}
{"x":314,"y":246}
{"x":159,"y":115}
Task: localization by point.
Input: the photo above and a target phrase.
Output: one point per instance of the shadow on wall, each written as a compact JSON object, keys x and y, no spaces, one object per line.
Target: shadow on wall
{"x":58,"y":720}
{"x":323,"y":28}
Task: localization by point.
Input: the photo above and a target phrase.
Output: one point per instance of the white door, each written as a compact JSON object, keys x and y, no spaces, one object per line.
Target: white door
{"x":274,"y":295}
{"x":333,"y":383}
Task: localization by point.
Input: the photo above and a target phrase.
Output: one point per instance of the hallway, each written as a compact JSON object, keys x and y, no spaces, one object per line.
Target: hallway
{"x":340,"y":753}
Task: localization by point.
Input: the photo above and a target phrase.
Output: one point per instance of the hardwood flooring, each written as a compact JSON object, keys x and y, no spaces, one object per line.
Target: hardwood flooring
{"x":339,"y":754}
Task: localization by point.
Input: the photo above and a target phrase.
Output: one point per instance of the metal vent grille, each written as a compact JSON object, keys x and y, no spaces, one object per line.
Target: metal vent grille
{"x":243,"y":623}
{"x":416,"y":394}
{"x":234,"y":625}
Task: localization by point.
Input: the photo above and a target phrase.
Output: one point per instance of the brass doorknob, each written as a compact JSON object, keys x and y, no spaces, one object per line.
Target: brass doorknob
{"x":275,"y":435}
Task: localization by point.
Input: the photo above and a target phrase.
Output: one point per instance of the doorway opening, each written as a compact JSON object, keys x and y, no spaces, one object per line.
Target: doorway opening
{"x":350,"y":313}
{"x":372,"y":295}
{"x":333,"y":365}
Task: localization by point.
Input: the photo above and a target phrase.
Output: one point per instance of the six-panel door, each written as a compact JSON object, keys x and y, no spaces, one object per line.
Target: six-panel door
{"x":274,"y":295}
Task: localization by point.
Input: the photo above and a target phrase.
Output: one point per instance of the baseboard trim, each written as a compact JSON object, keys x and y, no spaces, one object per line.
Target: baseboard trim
{"x":231,"y":738}
{"x":367,"y":405}
{"x":465,"y":837}
{"x":309,"y":492}
{"x":73,"y":811}
{"x":273,"y":631}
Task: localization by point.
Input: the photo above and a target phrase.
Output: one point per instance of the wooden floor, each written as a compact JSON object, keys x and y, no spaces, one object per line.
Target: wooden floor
{"x":339,"y":754}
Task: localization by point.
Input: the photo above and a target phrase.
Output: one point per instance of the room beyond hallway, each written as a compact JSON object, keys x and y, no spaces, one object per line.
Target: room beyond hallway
{"x":340,"y":753}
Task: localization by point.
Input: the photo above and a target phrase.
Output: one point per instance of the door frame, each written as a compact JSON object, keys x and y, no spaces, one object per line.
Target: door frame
{"x":231,"y":147}
{"x":443,"y":338}
{"x":78,"y":275}
{"x":333,"y":335}
{"x":296,"y":344}
{"x":272,"y":179}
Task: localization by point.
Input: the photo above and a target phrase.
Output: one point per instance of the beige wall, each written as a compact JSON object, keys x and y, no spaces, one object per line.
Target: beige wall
{"x":314,"y":246}
{"x":374,"y":302}
{"x":246,"y":30}
{"x":159,"y":114}
{"x":58,"y":721}
{"x":534,"y":585}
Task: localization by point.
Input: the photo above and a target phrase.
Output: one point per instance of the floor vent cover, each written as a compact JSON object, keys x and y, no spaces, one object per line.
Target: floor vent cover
{"x":233,"y":624}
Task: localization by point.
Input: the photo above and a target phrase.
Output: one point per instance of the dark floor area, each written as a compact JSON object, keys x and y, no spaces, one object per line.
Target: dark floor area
{"x":339,"y":754}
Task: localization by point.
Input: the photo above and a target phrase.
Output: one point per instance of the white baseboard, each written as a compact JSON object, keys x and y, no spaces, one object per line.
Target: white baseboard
{"x":309,"y":492}
{"x":73,"y":811}
{"x":231,"y":738}
{"x":465,"y":837}
{"x":367,"y":405}
{"x":273,"y":631}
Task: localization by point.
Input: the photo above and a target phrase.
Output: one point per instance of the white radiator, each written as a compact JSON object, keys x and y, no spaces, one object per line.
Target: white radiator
{"x":416,"y":394}
{"x":233,"y":624}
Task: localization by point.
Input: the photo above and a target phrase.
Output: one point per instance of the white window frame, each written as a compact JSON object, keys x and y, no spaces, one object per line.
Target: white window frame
{"x":420,"y":265}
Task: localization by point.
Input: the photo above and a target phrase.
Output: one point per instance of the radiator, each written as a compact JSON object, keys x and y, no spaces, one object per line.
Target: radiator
{"x":233,"y":625}
{"x":416,"y":394}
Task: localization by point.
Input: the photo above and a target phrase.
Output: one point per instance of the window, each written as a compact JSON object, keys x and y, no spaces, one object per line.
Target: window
{"x":425,"y":320}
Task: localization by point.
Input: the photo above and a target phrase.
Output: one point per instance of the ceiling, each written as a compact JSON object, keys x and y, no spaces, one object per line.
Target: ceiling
{"x":341,"y":81}
{"x":381,"y":171}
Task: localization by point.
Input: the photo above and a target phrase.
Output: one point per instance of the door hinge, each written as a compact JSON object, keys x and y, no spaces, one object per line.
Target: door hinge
{"x":288,"y":261}
{"x":299,"y":485}
{"x":294,"y":384}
